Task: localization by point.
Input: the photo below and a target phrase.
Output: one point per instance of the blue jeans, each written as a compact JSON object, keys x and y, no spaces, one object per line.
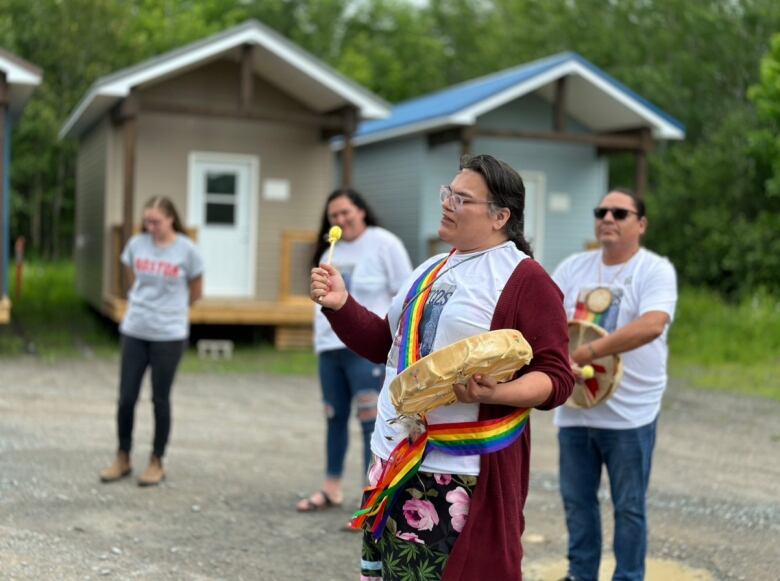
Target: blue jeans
{"x":345,"y":376}
{"x":627,"y":454}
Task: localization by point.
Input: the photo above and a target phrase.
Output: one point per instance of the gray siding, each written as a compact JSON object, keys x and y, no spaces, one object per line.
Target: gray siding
{"x":391,"y":176}
{"x":91,"y":236}
{"x":441,"y":166}
{"x":573,"y":170}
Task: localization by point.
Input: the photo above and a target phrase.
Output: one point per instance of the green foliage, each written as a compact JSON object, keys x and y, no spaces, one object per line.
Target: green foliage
{"x":718,"y":345}
{"x":714,"y":199}
{"x":766,"y":96}
{"x":49,"y":317}
{"x":50,"y":320}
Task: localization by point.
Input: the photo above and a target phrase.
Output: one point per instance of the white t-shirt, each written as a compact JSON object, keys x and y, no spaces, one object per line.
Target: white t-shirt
{"x":373,"y":266}
{"x":647,"y":282}
{"x":461,"y":304}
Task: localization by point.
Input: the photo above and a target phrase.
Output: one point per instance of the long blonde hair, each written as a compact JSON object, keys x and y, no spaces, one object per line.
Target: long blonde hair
{"x":165,"y":205}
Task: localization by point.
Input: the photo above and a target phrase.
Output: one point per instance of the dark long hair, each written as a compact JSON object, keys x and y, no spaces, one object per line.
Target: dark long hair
{"x":166,"y":207}
{"x":506,"y":190}
{"x":322,"y":237}
{"x":639,"y":204}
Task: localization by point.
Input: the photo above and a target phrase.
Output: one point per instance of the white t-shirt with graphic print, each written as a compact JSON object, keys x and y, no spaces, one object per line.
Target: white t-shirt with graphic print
{"x":373,"y":266}
{"x":647,"y":282}
{"x":461,"y":304}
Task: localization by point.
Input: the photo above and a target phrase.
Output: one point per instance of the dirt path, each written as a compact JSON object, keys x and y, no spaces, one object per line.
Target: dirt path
{"x":245,"y":447}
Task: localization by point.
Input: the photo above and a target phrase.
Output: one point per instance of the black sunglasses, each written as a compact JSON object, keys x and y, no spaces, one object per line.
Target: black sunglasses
{"x":617,"y":213}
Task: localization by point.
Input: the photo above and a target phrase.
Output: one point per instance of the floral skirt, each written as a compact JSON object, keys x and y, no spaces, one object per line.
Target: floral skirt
{"x":424,"y":523}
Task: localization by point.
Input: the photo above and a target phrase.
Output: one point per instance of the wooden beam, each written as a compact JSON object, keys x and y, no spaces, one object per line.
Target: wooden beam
{"x":604,"y":140}
{"x":305,"y":119}
{"x":559,"y":107}
{"x":640,"y":163}
{"x":4,"y":101}
{"x":467,"y":135}
{"x":349,"y":116}
{"x":444,"y":136}
{"x":247,"y":79}
{"x":129,"y":124}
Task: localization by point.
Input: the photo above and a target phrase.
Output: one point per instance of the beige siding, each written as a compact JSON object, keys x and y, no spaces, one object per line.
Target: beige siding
{"x":292,"y":153}
{"x":218,"y":85}
{"x":165,"y":141}
{"x":90,"y":207}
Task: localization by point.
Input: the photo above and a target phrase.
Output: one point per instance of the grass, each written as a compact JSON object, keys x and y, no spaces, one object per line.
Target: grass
{"x":50,"y":320}
{"x":729,"y":347}
{"x":714,"y":344}
{"x":256,"y":359}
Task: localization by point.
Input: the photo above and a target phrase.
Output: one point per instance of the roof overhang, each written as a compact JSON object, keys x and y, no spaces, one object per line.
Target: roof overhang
{"x":273,"y":57}
{"x":594,"y":99}
{"x":22,"y":78}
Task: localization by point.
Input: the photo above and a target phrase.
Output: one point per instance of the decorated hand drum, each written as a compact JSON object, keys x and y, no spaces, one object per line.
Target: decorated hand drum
{"x":607,"y":370}
{"x":427,"y":383}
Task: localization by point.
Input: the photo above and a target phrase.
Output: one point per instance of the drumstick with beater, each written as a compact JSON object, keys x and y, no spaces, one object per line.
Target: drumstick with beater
{"x":334,"y":235}
{"x":587,"y":370}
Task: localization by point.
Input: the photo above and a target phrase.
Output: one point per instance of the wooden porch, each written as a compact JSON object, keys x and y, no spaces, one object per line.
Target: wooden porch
{"x":5,"y":311}
{"x":292,"y":314}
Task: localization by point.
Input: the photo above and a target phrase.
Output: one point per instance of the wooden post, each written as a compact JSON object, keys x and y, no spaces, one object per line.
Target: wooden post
{"x":640,"y":163}
{"x":559,"y":107}
{"x":4,"y":100}
{"x":129,"y":123}
{"x":350,"y":125}
{"x":466,"y":140}
{"x":247,"y":78}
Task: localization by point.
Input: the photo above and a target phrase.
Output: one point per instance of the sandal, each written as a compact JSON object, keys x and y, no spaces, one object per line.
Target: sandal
{"x":309,"y":504}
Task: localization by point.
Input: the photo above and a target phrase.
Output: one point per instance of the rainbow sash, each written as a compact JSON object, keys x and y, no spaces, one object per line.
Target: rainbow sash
{"x":457,"y":439}
{"x":414,"y":307}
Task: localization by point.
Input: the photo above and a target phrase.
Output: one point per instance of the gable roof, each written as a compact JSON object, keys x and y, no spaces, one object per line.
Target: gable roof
{"x":593,"y":98}
{"x":22,"y":78}
{"x":294,"y":70}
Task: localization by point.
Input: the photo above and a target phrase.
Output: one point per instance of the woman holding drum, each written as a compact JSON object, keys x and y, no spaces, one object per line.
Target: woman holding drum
{"x":448,"y":486}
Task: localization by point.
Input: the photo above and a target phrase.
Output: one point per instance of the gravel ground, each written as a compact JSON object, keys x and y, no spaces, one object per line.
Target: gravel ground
{"x":244,"y":448}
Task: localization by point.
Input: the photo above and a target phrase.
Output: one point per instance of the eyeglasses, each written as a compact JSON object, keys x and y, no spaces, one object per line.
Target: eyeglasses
{"x":617,"y":213}
{"x":456,"y":201}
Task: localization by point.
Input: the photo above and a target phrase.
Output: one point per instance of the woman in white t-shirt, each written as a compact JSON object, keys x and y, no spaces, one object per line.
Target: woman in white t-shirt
{"x":374,"y":263}
{"x":165,"y":270}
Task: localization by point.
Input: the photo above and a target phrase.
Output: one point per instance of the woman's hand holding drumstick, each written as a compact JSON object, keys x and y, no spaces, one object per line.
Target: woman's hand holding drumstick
{"x":327,"y":285}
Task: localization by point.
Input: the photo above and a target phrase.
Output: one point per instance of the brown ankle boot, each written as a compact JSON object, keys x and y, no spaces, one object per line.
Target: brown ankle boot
{"x":154,"y":473}
{"x":118,"y":469}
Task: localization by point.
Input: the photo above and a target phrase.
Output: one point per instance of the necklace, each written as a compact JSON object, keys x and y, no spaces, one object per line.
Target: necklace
{"x":409,"y":301}
{"x":599,"y":299}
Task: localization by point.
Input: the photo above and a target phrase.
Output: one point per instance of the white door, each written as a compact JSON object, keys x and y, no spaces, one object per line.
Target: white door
{"x":534,"y":211}
{"x":222,"y":206}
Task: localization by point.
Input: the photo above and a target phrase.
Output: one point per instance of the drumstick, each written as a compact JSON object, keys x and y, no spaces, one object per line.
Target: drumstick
{"x":334,"y":234}
{"x":587,"y":371}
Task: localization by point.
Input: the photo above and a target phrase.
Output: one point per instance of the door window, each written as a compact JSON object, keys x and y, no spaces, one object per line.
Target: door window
{"x":220,"y":198}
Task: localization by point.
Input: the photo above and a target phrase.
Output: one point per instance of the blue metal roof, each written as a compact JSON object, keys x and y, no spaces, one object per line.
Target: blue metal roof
{"x":452,"y":100}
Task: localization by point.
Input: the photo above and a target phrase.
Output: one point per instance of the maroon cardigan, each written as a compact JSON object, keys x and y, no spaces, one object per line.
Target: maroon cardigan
{"x":489,"y":546}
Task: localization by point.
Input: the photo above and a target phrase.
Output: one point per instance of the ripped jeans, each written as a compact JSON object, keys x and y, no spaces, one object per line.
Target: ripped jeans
{"x":345,"y":377}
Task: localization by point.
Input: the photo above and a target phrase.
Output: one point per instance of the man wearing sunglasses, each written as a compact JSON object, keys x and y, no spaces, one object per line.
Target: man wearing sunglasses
{"x":630,"y":292}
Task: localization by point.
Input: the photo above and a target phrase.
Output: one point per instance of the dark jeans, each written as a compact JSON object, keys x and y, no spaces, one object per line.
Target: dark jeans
{"x":627,"y":454}
{"x":163,"y":357}
{"x":345,"y":376}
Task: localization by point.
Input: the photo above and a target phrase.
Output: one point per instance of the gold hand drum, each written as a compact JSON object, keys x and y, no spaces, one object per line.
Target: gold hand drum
{"x":607,"y":370}
{"x":427,"y":383}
